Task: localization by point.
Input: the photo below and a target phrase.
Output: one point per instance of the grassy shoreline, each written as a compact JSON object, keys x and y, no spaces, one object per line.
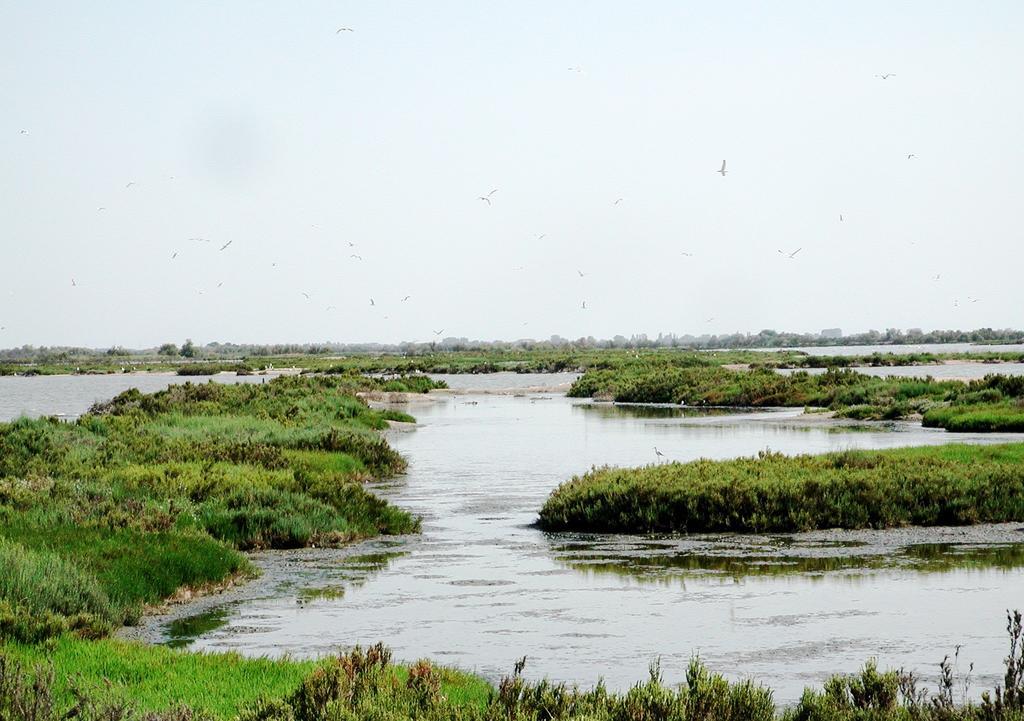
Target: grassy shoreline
{"x":112,"y":680}
{"x":939,"y":485}
{"x":150,"y":493}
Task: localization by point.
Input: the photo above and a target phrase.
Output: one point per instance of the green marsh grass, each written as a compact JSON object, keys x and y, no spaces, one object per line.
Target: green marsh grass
{"x":115,"y":681}
{"x":147,"y":494}
{"x":941,"y":485}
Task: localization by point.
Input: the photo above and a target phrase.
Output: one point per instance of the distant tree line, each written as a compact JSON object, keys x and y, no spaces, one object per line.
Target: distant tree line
{"x":763,"y":339}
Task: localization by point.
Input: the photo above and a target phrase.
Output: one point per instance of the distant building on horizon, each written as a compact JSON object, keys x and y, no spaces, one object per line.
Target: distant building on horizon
{"x":832,"y":333}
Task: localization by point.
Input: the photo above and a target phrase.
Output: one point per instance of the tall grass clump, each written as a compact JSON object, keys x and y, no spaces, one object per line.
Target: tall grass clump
{"x":944,"y":485}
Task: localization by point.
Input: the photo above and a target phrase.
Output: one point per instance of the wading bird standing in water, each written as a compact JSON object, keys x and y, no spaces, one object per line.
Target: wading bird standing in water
{"x":658,"y":453}
{"x":722,"y":170}
{"x":487,"y":198}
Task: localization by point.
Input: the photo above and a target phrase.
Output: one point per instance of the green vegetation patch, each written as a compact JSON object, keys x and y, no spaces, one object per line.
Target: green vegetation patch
{"x":105,"y":680}
{"x":944,"y":485}
{"x":150,"y":493}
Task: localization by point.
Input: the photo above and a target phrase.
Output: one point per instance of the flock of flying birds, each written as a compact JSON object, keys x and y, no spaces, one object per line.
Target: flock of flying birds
{"x":488,"y":198}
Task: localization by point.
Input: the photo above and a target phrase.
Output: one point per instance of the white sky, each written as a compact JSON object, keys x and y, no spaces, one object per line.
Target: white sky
{"x":292,"y":141}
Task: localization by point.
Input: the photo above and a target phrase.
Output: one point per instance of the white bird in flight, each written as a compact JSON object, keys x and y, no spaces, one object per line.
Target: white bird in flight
{"x":357,"y":257}
{"x":226,"y":244}
{"x":584,"y":306}
{"x":582,"y":274}
{"x":886,"y":76}
{"x":174,"y":255}
{"x":343,"y":30}
{"x":688,"y":255}
{"x":130,"y":184}
{"x":617,"y":201}
{"x":791,"y":255}
{"x":910,"y":156}
{"x":73,"y":283}
{"x":722,"y":170}
{"x":305,"y":294}
{"x":406,"y":298}
{"x":371,"y":302}
{"x":487,"y":198}
{"x":438,"y":332}
{"x":24,"y":132}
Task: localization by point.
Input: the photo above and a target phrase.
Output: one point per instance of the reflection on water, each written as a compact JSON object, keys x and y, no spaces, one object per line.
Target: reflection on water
{"x":481,"y":586}
{"x":183,"y":631}
{"x":736,"y":557}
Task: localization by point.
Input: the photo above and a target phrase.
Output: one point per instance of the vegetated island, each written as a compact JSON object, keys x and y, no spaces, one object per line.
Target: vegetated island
{"x":992,"y":403}
{"x":945,"y":485}
{"x":149,"y":494}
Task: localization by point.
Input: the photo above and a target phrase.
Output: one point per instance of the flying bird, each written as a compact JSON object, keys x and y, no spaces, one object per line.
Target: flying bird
{"x":406,"y":298}
{"x":350,"y":244}
{"x":24,"y":132}
{"x":886,"y":76}
{"x":357,"y":257}
{"x":722,"y":170}
{"x":617,"y":201}
{"x":343,"y":30}
{"x":201,"y":240}
{"x":575,"y":69}
{"x":937,"y":276}
{"x":220,"y":284}
{"x":688,"y":255}
{"x":584,"y":306}
{"x":99,"y":209}
{"x":973,"y":300}
{"x":371,"y":302}
{"x":487,"y":198}
{"x":439,"y":332}
{"x":581,"y":273}
{"x":305,"y":294}
{"x":129,"y":184}
{"x":73,"y":283}
{"x":911,"y":155}
{"x":542,"y":236}
{"x":331,"y":307}
{"x":710,"y":319}
{"x":840,"y":217}
{"x":226,"y":244}
{"x":174,"y":255}
{"x":791,"y":255}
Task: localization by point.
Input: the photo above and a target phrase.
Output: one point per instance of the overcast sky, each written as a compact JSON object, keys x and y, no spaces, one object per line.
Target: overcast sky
{"x":258,"y":123}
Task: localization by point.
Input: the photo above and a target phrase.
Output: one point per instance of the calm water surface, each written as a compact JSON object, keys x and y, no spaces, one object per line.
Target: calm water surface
{"x":71,"y":395}
{"x":481,"y":587}
{"x":939,"y":372}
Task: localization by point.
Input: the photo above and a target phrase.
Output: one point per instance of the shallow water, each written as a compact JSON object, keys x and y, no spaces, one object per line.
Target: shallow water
{"x":481,"y":587}
{"x":939,"y":372}
{"x":70,"y":396}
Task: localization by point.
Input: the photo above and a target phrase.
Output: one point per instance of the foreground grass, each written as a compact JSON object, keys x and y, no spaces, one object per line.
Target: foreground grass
{"x":942,"y":485}
{"x":150,"y":493}
{"x":112,"y":681}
